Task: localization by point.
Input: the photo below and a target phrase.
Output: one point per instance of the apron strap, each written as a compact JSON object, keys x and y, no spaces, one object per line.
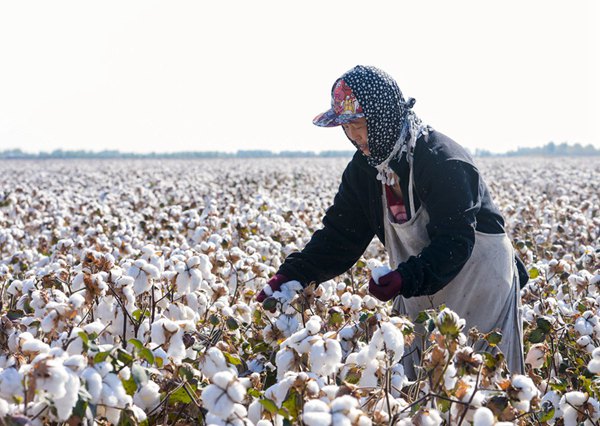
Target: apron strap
{"x":411,"y":197}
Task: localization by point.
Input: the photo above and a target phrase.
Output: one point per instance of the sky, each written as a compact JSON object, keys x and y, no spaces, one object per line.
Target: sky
{"x":158,"y":76}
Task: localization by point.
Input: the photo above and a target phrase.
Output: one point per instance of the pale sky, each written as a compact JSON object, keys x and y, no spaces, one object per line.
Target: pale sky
{"x":142,"y":76}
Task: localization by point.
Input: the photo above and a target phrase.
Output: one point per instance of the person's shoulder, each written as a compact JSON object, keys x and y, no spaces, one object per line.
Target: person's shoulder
{"x":359,"y":164}
{"x":437,"y":147}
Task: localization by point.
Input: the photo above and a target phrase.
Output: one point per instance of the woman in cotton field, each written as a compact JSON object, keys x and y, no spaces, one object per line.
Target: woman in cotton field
{"x":422,"y":195}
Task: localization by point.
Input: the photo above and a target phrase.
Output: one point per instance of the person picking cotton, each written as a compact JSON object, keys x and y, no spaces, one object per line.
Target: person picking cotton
{"x":422,"y":195}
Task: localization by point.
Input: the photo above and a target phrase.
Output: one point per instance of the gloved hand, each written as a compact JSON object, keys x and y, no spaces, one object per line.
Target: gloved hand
{"x":390,"y":285}
{"x":275,"y":284}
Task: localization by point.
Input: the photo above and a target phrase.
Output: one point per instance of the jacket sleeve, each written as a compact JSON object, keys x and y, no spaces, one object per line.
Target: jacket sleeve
{"x":344,"y":237}
{"x":449,"y":191}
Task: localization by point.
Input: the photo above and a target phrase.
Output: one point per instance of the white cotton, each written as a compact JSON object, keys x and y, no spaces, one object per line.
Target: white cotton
{"x":368,"y":377}
{"x":301,"y":341}
{"x":450,"y":377}
{"x":287,"y":324}
{"x":4,"y":408}
{"x":325,"y":356}
{"x":483,"y":417}
{"x":346,"y":300}
{"x":162,"y":330}
{"x":177,"y":351}
{"x":356,"y":302}
{"x":316,"y":413}
{"x":431,"y":417}
{"x":370,"y":302}
{"x":77,"y":300}
{"x":584,"y":325}
{"x":379,"y":272}
{"x":65,"y":404}
{"x":220,"y":396}
{"x":104,"y":368}
{"x":393,"y":339}
{"x":50,"y":321}
{"x":94,"y":327}
{"x":575,"y":398}
{"x":147,"y":397}
{"x":76,"y":363}
{"x":586,"y":342}
{"x":525,"y":386}
{"x":314,"y":324}
{"x":284,"y":359}
{"x":93,"y":382}
{"x":255,"y":410}
{"x":10,"y":384}
{"x":212,"y":362}
{"x":374,"y":263}
{"x":55,"y":378}
{"x":536,"y":355}
{"x":34,"y":346}
{"x":552,"y":400}
{"x":594,"y":364}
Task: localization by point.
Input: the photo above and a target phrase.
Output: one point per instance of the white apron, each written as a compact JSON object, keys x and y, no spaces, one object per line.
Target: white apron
{"x":485,"y":293}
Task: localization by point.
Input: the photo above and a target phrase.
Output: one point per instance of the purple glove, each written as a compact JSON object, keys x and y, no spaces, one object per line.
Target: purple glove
{"x":390,"y":285}
{"x":275,"y":284}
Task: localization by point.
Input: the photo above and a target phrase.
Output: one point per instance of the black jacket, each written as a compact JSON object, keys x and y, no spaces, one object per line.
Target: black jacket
{"x":449,"y":186}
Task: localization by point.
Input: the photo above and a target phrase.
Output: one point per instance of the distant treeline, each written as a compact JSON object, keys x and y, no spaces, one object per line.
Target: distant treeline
{"x":61,"y":154}
{"x":550,"y":149}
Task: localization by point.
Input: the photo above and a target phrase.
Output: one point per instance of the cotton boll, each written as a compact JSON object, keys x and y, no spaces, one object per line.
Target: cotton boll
{"x":51,"y":377}
{"x":75,"y":363}
{"x":50,"y":321}
{"x":314,"y":324}
{"x":536,"y":355}
{"x":34,"y":346}
{"x":65,"y":404}
{"x":483,"y":417}
{"x":285,"y":360}
{"x":316,"y":413}
{"x":147,"y":397}
{"x":346,"y":300}
{"x":380,"y":272}
{"x":287,"y":324}
{"x":356,"y":302}
{"x":370,"y":302}
{"x":220,"y":396}
{"x":575,"y":398}
{"x":212,"y":362}
{"x":431,"y":417}
{"x":594,"y":364}
{"x":93,"y":383}
{"x":4,"y":408}
{"x":368,"y":377}
{"x":10,"y":384}
{"x":77,"y":300}
{"x":450,"y":377}
{"x":551,"y":400}
{"x":325,"y":356}
{"x":162,"y":329}
{"x":584,"y":325}
{"x":525,"y":387}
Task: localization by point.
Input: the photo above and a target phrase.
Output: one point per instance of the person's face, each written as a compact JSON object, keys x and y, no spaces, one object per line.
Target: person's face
{"x":356,"y":131}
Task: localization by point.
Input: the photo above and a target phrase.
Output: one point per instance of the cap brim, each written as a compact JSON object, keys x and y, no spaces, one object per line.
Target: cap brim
{"x":331,"y":119}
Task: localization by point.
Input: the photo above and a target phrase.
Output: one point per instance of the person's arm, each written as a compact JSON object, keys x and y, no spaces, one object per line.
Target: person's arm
{"x":344,"y":237}
{"x":449,"y":191}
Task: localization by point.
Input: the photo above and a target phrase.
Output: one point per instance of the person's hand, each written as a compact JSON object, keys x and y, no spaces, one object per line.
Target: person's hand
{"x":389,"y":286}
{"x":275,"y":284}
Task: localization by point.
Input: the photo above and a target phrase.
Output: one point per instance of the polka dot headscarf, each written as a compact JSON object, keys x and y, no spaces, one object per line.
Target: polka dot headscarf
{"x":391,"y":123}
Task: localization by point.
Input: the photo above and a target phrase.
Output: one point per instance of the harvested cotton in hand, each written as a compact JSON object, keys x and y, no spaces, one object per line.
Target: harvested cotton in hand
{"x":378,"y":269}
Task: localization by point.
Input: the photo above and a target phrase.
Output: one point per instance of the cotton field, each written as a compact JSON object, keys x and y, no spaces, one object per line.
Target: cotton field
{"x":127,"y":296}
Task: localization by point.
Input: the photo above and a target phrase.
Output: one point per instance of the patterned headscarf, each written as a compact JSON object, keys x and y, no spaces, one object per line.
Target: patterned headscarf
{"x":392,"y":126}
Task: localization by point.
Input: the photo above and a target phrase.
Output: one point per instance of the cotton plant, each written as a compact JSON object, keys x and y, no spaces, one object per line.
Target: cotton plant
{"x":92,"y":270}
